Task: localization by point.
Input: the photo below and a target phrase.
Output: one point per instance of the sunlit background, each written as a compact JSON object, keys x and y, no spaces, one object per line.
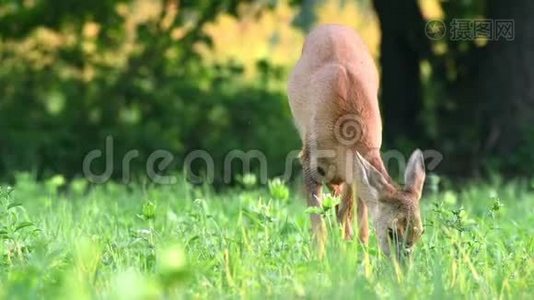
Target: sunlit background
{"x":211,"y":75}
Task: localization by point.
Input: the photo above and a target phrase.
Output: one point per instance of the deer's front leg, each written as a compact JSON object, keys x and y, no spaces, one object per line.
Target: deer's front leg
{"x":313,"y":198}
{"x":363,"y":224}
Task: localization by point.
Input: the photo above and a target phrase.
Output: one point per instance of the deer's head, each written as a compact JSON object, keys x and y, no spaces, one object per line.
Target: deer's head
{"x":394,"y":210}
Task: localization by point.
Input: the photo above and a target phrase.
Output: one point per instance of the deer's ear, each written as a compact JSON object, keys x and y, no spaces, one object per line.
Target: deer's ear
{"x":368,"y":179}
{"x":414,"y":176}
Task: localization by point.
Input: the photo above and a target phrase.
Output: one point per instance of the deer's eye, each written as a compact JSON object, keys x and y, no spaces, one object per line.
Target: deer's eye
{"x":321,"y":171}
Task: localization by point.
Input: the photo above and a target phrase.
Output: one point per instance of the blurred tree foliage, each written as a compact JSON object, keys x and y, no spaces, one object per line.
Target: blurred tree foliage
{"x":480,"y":91}
{"x":75,"y":72}
{"x":469,"y":98}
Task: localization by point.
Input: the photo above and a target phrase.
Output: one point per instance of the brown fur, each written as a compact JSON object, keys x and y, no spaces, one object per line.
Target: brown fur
{"x":333,"y":87}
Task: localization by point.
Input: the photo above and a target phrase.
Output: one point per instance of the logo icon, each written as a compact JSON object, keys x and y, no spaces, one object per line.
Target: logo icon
{"x":349,"y":129}
{"x":435,"y":30}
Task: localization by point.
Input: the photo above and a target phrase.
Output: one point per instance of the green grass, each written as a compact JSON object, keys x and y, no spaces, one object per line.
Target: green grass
{"x":149,"y":242}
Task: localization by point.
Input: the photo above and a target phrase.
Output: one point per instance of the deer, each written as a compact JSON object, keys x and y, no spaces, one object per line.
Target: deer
{"x":333,"y":97}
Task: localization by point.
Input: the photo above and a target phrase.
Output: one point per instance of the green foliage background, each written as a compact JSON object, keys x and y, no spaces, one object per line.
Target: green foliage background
{"x":63,"y":94}
{"x":73,"y":73}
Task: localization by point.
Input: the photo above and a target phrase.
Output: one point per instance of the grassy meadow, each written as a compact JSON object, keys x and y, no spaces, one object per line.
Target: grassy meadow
{"x":71,"y":241}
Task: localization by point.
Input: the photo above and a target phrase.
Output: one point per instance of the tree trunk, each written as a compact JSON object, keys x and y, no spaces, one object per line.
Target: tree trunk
{"x":507,"y":88}
{"x":402,"y":47}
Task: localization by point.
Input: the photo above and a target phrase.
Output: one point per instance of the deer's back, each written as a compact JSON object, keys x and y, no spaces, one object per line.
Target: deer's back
{"x":335,"y":78}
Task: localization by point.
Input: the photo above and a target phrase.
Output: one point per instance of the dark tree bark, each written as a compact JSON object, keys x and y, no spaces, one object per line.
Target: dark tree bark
{"x":506,"y":85}
{"x":402,"y":47}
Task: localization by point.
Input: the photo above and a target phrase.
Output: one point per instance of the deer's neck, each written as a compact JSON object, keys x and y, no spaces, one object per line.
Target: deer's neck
{"x":374,"y":158}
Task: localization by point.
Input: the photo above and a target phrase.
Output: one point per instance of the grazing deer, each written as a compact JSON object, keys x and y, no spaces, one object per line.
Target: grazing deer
{"x":333,"y":94}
